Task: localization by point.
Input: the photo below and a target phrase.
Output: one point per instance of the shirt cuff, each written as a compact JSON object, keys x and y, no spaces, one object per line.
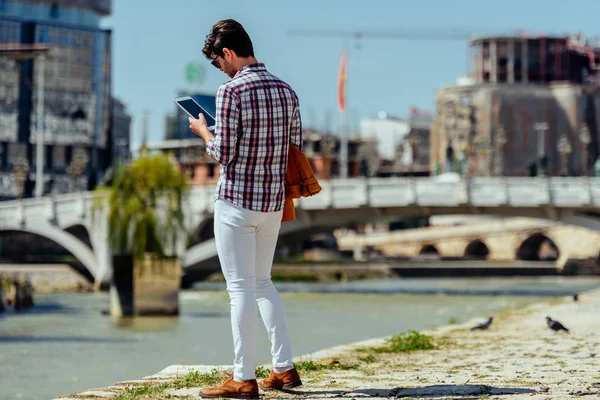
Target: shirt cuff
{"x":210,"y":147}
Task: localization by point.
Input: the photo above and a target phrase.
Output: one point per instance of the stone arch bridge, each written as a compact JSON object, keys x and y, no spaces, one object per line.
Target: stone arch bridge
{"x":509,"y":239}
{"x":67,"y":219}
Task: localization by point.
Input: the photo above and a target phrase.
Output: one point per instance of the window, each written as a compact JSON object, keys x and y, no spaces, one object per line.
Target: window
{"x":54,"y":11}
{"x":17,"y":154}
{"x":465,"y":100}
{"x":3,"y":147}
{"x":59,"y":157}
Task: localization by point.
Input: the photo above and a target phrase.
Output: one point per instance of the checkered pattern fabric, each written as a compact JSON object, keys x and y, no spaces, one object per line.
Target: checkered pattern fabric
{"x":258,"y":116}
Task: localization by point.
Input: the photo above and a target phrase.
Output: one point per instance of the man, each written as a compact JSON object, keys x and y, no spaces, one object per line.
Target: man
{"x":258,"y":116}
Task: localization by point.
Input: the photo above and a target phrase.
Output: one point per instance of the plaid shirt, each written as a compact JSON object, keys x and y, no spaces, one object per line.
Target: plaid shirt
{"x":258,"y":116}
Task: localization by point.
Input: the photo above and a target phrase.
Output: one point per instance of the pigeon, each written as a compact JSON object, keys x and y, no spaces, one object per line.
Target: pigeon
{"x":576,"y":297}
{"x":555,"y":325}
{"x":484,"y":325}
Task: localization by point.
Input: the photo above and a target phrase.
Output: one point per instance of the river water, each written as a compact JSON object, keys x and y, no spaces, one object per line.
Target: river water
{"x":65,"y":344}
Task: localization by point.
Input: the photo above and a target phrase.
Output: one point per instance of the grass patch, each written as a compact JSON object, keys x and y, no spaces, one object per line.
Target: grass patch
{"x":157,"y":392}
{"x":294,"y":277}
{"x":407,"y":342}
{"x":143,"y":391}
{"x":196,"y":379}
{"x":368,"y":359}
{"x":309,"y":366}
{"x":214,"y":377}
{"x":334,"y":365}
{"x":261,"y":372}
{"x":452,"y":321}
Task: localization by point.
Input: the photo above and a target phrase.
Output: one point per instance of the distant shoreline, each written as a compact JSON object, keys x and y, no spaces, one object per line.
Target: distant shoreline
{"x":553,"y":286}
{"x":49,"y":278}
{"x":63,"y":278}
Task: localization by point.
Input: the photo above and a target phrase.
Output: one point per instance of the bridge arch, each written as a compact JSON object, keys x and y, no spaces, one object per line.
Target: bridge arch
{"x":538,"y":247}
{"x":203,"y":232}
{"x":429,"y":250}
{"x":477,"y":249}
{"x":73,"y":245}
{"x":81,"y":232}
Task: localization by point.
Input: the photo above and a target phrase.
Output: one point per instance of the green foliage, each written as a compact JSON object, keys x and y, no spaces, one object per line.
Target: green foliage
{"x":261,"y":372}
{"x":294,"y":277}
{"x":144,"y":204}
{"x":142,"y":392}
{"x":368,"y":359}
{"x":196,"y":379}
{"x":193,"y":379}
{"x":413,"y":341}
{"x":451,"y":321}
{"x":4,"y":283}
{"x":311,"y":366}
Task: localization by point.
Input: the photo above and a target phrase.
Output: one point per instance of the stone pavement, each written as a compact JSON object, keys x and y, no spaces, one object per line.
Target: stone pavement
{"x":519,"y":357}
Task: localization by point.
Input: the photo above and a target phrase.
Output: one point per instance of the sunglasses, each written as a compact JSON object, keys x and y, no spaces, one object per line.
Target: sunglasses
{"x":215,"y":63}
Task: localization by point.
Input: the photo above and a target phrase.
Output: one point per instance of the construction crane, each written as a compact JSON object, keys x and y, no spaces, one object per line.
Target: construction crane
{"x":402,"y":33}
{"x":397,"y":33}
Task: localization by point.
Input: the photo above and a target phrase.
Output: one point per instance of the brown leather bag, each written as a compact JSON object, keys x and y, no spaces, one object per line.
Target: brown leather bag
{"x":300,"y":181}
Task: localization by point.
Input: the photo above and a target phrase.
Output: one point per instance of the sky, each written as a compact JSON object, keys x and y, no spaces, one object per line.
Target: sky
{"x":154,"y":40}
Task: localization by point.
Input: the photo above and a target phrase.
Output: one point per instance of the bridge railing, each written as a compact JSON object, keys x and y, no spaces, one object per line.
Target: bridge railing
{"x":68,"y":207}
{"x":477,"y":192}
{"x":563,"y":192}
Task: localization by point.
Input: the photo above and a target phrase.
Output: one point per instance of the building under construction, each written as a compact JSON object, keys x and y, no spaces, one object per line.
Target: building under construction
{"x":530,"y":106}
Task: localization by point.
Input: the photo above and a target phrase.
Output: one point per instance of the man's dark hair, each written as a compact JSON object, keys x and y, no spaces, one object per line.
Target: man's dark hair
{"x":230,"y":34}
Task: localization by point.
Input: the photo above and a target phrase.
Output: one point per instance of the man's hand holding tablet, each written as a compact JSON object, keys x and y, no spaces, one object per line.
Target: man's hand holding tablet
{"x":201,"y":122}
{"x":193,"y":109}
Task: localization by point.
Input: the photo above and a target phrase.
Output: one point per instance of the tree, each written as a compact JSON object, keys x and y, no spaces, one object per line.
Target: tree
{"x":145,"y":207}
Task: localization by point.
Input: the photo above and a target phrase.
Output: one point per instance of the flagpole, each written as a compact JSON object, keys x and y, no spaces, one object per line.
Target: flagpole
{"x":343,"y":129}
{"x":343,"y":148}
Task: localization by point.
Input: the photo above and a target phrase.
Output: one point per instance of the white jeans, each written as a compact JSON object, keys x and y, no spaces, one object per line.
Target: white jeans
{"x":246,"y":243}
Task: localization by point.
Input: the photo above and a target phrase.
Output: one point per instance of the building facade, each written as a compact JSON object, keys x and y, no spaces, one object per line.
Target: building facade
{"x":531,"y":106}
{"x":121,"y":132}
{"x":401,"y":145}
{"x":322,"y":150}
{"x":77,"y":96}
{"x":418,"y":143}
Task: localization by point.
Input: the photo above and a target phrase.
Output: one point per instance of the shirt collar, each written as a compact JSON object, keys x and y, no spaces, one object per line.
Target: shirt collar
{"x":251,"y":68}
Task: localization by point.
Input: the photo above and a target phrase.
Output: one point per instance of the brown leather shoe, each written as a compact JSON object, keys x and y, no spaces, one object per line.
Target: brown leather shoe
{"x":232,"y":389}
{"x":283,"y":381}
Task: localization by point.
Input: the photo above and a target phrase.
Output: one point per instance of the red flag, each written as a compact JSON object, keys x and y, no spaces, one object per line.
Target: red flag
{"x":342,"y":83}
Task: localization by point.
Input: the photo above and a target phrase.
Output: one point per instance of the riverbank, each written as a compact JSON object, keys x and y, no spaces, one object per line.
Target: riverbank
{"x":518,"y":357}
{"x":63,"y":278}
{"x":49,"y":278}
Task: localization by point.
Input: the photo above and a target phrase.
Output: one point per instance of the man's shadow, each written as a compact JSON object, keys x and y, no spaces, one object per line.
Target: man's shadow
{"x":459,"y":390}
{"x":433,"y":391}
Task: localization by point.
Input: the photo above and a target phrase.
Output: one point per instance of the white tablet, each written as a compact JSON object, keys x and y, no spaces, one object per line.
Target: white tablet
{"x":193,"y":109}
